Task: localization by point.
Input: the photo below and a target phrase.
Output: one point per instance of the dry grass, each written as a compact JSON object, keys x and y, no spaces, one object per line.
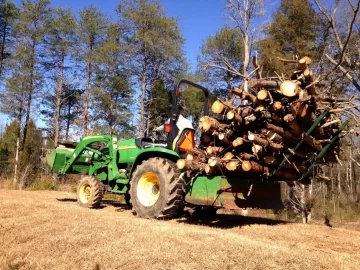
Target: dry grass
{"x":48,"y":230}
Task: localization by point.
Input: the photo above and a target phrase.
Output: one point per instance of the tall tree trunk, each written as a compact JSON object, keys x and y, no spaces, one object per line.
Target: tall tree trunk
{"x":149,"y":116}
{"x":18,"y":134}
{"x":355,"y":189}
{"x":350,"y":175}
{"x":68,"y":119}
{"x":111,"y":109}
{"x":143,"y":94}
{"x":246,"y":60}
{"x":30,"y":93}
{"x":142,"y":109}
{"x":2,"y":49}
{"x":339,"y":180}
{"x":58,"y":100}
{"x":86,"y":112}
{"x":111,"y":118}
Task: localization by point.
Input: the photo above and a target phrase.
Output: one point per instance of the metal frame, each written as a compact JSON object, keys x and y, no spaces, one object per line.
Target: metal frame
{"x":320,"y":154}
{"x":175,"y":110}
{"x":110,"y":162}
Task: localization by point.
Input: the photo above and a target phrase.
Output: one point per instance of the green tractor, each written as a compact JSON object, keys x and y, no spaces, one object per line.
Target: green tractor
{"x":144,"y":170}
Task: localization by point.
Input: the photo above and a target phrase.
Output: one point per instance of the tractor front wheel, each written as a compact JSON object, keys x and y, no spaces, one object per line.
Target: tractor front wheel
{"x":156,"y":191}
{"x":89,"y":192}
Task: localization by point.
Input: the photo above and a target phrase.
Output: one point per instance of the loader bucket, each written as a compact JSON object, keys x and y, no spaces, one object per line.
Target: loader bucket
{"x":59,"y":156}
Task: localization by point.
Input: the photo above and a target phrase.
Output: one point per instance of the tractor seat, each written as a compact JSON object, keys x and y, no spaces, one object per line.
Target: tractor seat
{"x":142,"y":142}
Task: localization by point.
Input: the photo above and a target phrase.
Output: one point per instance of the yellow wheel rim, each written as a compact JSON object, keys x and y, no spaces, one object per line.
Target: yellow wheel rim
{"x":148,"y":189}
{"x":85,"y":193}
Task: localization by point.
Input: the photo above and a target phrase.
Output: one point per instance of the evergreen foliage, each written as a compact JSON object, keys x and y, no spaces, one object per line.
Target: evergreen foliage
{"x":224,"y":45}
{"x":92,"y":26}
{"x":112,"y":94}
{"x":8,"y":14}
{"x":292,"y":34}
{"x":153,"y":43}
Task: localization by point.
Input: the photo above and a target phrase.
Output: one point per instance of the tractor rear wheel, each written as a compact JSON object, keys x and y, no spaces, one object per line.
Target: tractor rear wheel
{"x":89,"y":192}
{"x":156,"y":191}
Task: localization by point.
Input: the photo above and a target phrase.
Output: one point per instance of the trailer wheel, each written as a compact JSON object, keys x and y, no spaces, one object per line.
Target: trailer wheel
{"x":89,"y":192}
{"x":156,"y":191}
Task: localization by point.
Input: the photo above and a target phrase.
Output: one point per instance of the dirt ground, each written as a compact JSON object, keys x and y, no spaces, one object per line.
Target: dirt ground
{"x":48,"y":230}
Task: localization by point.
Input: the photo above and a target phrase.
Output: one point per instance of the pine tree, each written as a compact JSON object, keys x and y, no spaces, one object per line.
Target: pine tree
{"x":30,"y":31}
{"x":25,"y":80}
{"x":60,"y":42}
{"x":292,"y":33}
{"x":8,"y":147}
{"x":71,"y":107}
{"x":112,"y":94}
{"x":92,"y":25}
{"x":225,"y":45}
{"x":70,"y":110}
{"x":154,"y":45}
{"x":12,"y":103}
{"x":159,"y":108}
{"x":8,"y":14}
{"x":30,"y":159}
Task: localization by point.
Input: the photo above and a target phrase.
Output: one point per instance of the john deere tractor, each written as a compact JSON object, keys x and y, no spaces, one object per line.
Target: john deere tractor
{"x":144,"y":170}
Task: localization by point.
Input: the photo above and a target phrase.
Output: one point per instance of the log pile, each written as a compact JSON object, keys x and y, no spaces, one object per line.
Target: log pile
{"x":256,"y":131}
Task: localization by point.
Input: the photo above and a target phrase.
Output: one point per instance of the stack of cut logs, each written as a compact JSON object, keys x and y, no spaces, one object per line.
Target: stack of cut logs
{"x":256,"y":129}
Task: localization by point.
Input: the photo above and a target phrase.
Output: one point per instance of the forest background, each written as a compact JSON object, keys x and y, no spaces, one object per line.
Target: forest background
{"x":83,"y":72}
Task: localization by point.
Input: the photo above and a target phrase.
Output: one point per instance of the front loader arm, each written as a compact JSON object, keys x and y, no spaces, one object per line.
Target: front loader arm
{"x":84,"y":145}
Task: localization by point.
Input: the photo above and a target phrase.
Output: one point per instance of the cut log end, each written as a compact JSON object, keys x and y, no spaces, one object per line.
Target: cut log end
{"x":289,"y":88}
{"x":232,"y":165}
{"x":305,"y":60}
{"x":246,"y":166}
{"x":237,"y":142}
{"x":209,"y":170}
{"x":228,"y":156}
{"x":211,"y":150}
{"x":181,"y":163}
{"x":278,"y":108}
{"x":218,"y":107}
{"x":262,"y":95}
{"x":212,"y":161}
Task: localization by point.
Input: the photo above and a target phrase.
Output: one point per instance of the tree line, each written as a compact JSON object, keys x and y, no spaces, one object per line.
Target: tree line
{"x":78,"y":71}
{"x":88,"y":73}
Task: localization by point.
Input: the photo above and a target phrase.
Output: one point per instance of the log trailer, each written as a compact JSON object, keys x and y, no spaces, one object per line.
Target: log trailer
{"x":145,"y":171}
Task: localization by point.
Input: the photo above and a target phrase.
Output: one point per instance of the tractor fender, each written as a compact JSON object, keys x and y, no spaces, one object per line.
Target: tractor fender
{"x":151,"y":153}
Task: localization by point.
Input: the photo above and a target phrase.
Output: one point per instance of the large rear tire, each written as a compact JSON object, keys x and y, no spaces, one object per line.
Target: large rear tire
{"x":156,"y":191}
{"x":90,"y":192}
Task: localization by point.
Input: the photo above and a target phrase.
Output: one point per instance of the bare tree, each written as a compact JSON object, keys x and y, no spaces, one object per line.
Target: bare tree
{"x":242,"y":13}
{"x":345,"y":33}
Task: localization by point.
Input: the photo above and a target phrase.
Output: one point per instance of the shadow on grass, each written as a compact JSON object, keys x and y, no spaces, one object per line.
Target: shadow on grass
{"x":66,"y":200}
{"x":228,"y":221}
{"x":223,"y":221}
{"x":121,"y":206}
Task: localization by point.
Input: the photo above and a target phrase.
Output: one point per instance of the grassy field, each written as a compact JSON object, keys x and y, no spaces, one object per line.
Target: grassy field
{"x":48,"y":230}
